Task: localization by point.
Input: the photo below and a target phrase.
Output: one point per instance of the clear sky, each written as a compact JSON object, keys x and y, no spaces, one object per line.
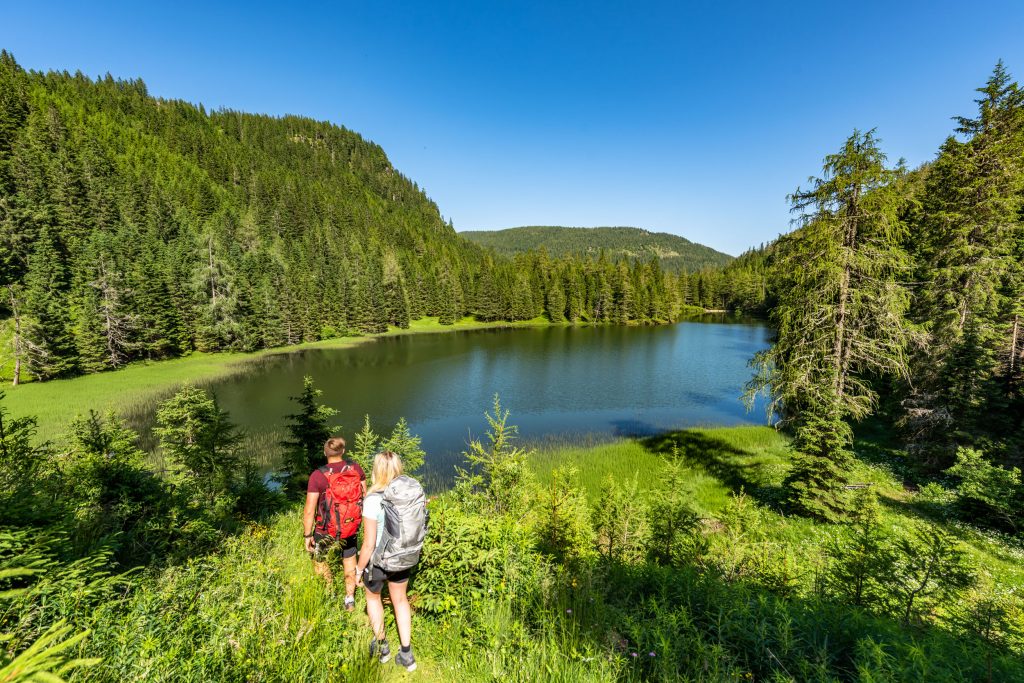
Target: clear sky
{"x":693,"y":118}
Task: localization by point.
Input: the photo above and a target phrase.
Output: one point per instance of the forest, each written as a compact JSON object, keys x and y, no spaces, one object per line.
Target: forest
{"x":134,"y":228}
{"x":676,"y":254}
{"x":876,"y":533}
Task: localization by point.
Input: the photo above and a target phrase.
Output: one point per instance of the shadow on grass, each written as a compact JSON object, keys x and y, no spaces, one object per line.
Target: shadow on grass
{"x":737,"y":468}
{"x":685,"y":624}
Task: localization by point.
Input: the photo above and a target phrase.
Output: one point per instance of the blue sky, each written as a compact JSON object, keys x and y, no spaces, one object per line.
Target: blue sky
{"x":693,"y":118}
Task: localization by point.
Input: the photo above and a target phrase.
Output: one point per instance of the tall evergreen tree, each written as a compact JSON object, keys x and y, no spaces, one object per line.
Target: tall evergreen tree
{"x":969,"y":231}
{"x":47,"y":321}
{"x":840,"y":319}
{"x":308,"y":430}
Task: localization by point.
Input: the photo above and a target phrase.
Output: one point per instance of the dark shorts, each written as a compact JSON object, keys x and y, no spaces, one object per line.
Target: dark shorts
{"x":325,"y":544}
{"x":374,"y":578}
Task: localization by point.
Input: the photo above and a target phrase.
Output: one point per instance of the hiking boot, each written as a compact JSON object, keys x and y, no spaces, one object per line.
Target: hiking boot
{"x":350,"y":603}
{"x":406,"y":660}
{"x":380,"y":650}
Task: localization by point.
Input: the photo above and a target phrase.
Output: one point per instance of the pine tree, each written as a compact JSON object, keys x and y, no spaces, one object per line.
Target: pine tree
{"x":406,"y":445}
{"x":970,"y":223}
{"x":556,"y":300}
{"x":840,"y":318}
{"x":308,"y":430}
{"x":47,"y":329}
{"x":196,"y":433}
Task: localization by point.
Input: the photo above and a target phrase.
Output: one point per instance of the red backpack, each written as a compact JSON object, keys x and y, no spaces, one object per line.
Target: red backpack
{"x":340,"y":509}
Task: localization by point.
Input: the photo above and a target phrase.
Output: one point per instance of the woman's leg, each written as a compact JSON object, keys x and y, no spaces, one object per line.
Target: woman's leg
{"x":403,"y":613}
{"x":375,"y":610}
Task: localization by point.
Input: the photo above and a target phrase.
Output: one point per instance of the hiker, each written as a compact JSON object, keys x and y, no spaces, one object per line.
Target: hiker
{"x":394,"y":526}
{"x":330,"y":522}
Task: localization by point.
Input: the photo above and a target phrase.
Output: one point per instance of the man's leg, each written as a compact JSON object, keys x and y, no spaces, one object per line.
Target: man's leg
{"x":349,"y":563}
{"x":321,"y":557}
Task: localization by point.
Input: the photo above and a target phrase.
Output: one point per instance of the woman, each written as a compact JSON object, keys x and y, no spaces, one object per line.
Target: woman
{"x":387,"y":466}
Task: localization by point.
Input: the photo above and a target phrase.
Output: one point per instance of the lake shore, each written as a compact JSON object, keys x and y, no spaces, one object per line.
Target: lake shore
{"x":57,"y":402}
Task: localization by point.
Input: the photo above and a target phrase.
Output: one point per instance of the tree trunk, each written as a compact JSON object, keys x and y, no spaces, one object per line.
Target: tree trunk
{"x":17,"y":337}
{"x":1013,"y":344}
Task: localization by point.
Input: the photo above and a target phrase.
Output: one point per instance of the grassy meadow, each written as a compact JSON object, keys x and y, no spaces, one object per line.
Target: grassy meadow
{"x":490,"y":606}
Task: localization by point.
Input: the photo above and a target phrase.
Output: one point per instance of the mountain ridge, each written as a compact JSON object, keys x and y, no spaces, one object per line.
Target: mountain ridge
{"x":675,"y":252}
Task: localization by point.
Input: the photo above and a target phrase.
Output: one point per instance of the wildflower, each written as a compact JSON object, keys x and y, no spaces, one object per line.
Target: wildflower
{"x":650,"y":654}
{"x":633,"y":654}
{"x":568,"y":611}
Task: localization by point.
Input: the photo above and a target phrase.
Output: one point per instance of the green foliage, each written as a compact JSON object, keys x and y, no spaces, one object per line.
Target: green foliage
{"x":840,"y":316}
{"x":365,"y":446}
{"x":22,"y":464}
{"x":676,"y":532}
{"x":930,"y":567}
{"x":497,"y":478}
{"x":862,"y":556}
{"x":988,"y":492}
{"x":308,"y":429}
{"x":620,"y":521}
{"x":197,"y":434}
{"x":406,"y":444}
{"x":675,"y":253}
{"x":114,"y":499}
{"x":564,"y":527}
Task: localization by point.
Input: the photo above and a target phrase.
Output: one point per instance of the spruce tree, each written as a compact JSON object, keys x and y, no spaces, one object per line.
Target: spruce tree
{"x":47,"y":330}
{"x":969,"y":228}
{"x":840,"y":318}
{"x":308,"y":430}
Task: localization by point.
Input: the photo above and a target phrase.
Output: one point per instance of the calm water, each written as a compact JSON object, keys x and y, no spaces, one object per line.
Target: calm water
{"x":561,"y":381}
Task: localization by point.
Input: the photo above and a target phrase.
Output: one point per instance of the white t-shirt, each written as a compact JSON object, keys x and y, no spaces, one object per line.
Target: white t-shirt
{"x":374,"y":509}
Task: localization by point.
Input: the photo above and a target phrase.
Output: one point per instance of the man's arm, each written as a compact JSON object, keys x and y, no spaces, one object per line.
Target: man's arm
{"x":309,"y":519}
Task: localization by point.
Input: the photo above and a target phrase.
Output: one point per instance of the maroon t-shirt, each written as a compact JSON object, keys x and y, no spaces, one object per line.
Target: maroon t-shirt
{"x":318,"y":480}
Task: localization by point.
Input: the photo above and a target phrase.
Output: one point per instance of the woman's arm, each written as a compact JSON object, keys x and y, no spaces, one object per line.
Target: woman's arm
{"x":369,"y":543}
{"x":309,"y":519}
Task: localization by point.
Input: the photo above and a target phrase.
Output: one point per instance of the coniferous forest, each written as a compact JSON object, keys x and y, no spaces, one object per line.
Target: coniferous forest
{"x":139,"y":228}
{"x":874,"y":534}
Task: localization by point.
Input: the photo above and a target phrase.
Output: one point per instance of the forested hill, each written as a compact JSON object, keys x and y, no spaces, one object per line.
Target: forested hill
{"x":677,"y":254}
{"x":134,"y":227}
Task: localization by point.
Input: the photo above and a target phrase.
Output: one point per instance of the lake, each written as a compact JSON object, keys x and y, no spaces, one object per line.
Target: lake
{"x":589,"y":383}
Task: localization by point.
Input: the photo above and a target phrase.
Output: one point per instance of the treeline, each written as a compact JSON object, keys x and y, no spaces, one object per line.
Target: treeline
{"x":133,"y":227}
{"x":902,"y":294}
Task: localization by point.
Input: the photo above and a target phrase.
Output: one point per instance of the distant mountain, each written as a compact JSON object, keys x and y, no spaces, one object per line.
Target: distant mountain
{"x":677,"y":254}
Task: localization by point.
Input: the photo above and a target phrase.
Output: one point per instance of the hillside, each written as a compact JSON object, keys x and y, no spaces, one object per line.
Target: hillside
{"x":677,"y":254}
{"x":139,"y":228}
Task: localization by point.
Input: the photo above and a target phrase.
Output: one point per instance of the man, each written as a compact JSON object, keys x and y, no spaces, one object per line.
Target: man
{"x":330,"y":522}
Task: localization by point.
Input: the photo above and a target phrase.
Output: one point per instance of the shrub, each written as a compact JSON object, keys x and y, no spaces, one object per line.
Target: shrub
{"x":564,"y":526}
{"x":988,"y":492}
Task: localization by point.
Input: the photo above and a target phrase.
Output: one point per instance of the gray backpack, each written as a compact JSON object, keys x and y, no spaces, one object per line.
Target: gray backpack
{"x":405,"y":525}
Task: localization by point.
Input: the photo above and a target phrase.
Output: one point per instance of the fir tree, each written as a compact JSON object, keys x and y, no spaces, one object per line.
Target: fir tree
{"x":308,"y":430}
{"x":840,"y":318}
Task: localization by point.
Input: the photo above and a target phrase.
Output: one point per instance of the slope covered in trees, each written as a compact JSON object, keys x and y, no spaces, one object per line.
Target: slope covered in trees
{"x":902,"y":295}
{"x":135,"y":227}
{"x":676,"y":254}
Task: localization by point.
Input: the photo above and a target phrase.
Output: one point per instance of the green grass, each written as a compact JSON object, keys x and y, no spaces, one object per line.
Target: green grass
{"x":255,"y":611}
{"x":715,"y":460}
{"x":721,"y":462}
{"x":137,"y":386}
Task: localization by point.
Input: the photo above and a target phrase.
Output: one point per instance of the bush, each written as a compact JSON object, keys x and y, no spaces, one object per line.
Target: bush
{"x":987,"y":492}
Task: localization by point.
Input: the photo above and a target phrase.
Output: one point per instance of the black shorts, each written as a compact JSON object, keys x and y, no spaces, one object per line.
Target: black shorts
{"x":323,"y":544}
{"x":374,"y":578}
